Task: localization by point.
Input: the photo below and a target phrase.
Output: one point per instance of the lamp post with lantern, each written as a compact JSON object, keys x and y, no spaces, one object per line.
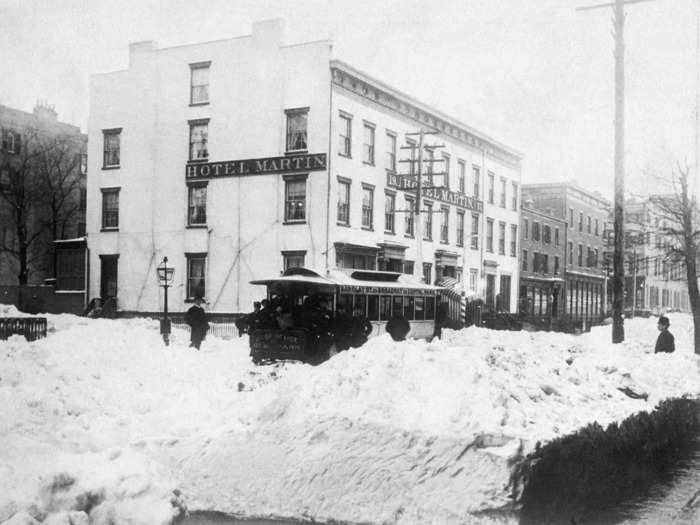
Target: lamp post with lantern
{"x":165,"y":277}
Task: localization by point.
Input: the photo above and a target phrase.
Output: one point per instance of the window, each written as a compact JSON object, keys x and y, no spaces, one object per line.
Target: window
{"x":196,"y":204}
{"x":514,"y":198}
{"x":580,"y":255}
{"x":297,"y":121}
{"x":367,"y":206}
{"x":588,"y":224}
{"x":501,"y":237}
{"x":571,"y":218}
{"x":427,"y":272}
{"x":199,"y":83}
{"x":293,"y":259}
{"x":476,"y":172}
{"x":345,"y":146}
{"x":111,"y":147}
{"x":595,"y":257}
{"x":199,"y":136}
{"x":556,"y":236}
{"x":10,"y":141}
{"x":580,"y":221}
{"x":597,"y":231}
{"x":446,"y":170}
{"x":368,"y":145}
{"x":411,"y":148}
{"x":460,"y":228}
{"x":589,"y":257}
{"x":489,"y":235}
{"x":82,"y":205}
{"x":475,"y":231}
{"x":294,"y":199}
{"x":344,"y":202}
{"x":428,"y":227}
{"x":110,"y":208}
{"x":444,"y":223}
{"x":429,"y":165}
{"x":391,"y":151}
{"x":526,"y":228}
{"x":408,"y":219}
{"x":462,"y":168}
{"x":571,"y":252}
{"x":83,"y":163}
{"x":389,"y":212}
{"x":556,"y":265}
{"x":473,"y":278}
{"x":545,"y":263}
{"x":503,"y":192}
{"x":513,"y":240}
{"x":535,"y":231}
{"x":492,"y":181}
{"x":196,"y":266}
{"x":547,"y":234}
{"x":524,"y":260}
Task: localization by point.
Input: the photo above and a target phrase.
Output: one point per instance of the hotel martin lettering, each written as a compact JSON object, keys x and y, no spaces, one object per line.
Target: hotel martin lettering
{"x":239,"y":158}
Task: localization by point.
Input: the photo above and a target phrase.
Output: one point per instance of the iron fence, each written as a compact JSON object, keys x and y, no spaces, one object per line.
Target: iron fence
{"x":32,"y":328}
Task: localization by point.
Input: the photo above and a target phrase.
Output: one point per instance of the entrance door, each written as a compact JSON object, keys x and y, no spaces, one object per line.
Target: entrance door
{"x":505,"y":293}
{"x":490,"y":292}
{"x":108,"y":276}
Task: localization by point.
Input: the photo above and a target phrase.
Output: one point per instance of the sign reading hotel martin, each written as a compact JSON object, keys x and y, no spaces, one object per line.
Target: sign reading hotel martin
{"x":404,"y":183}
{"x":263,"y":166}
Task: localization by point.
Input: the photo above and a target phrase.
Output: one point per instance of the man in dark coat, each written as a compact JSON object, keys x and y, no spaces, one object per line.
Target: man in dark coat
{"x":197,"y":319}
{"x":360,"y":329}
{"x":440,"y":320}
{"x":665,"y":341}
{"x":398,"y":327}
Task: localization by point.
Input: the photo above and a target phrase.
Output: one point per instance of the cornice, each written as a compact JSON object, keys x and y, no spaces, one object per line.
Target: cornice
{"x":349,"y":78}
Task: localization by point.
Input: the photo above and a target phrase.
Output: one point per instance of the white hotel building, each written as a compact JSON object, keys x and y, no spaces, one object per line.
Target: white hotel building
{"x":240,"y":157}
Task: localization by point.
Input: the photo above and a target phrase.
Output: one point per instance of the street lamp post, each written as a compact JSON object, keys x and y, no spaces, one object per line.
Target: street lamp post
{"x":165,"y":276}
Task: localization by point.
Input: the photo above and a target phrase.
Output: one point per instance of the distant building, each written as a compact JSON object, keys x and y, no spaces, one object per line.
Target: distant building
{"x":240,"y":158}
{"x":658,"y":278}
{"x":43,"y":189}
{"x":584,"y":214}
{"x":542,"y":256}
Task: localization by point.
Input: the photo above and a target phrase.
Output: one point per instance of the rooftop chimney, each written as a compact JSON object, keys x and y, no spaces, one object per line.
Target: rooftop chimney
{"x":45,"y":111}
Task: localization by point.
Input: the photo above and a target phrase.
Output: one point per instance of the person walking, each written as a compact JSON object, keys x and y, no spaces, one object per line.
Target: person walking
{"x":665,"y":343}
{"x":440,"y":320}
{"x":197,"y":319}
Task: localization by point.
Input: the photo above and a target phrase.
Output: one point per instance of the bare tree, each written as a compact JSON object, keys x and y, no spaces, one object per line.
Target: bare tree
{"x":40,"y":196}
{"x":681,"y":227}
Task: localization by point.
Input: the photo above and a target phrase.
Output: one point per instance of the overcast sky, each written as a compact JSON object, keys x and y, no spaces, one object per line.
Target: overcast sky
{"x":535,"y":74}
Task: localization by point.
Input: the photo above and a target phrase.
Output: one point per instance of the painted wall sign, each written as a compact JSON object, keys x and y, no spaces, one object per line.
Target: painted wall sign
{"x":404,"y":183}
{"x":263,"y":166}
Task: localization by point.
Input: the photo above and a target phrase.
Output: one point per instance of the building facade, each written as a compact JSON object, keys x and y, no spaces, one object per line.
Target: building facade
{"x":239,"y":158}
{"x":542,"y":256}
{"x":43,"y":170}
{"x":584,"y":214}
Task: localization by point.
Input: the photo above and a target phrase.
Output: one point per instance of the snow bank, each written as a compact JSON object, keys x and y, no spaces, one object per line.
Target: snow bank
{"x":101,"y":419}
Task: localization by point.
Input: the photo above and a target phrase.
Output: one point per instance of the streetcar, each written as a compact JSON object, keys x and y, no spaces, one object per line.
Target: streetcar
{"x":309,"y":300}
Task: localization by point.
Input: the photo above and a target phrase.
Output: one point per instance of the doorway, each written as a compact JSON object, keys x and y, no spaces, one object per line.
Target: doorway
{"x":490,"y":292}
{"x":108,"y":276}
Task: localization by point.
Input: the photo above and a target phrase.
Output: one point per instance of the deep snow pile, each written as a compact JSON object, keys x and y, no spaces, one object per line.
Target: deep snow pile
{"x":100,"y":418}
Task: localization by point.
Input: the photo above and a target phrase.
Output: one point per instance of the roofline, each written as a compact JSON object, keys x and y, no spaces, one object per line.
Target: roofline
{"x":564,"y":184}
{"x":343,"y":66}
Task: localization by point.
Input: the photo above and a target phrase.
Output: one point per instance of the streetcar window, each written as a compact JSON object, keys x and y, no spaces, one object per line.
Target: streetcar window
{"x":430,"y":308}
{"x":420,"y":308}
{"x":373,"y":307}
{"x":408,"y":308}
{"x":361,"y":303}
{"x":385,"y":307}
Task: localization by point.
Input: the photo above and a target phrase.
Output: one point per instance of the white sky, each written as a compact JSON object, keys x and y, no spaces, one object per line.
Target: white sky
{"x":535,"y":74}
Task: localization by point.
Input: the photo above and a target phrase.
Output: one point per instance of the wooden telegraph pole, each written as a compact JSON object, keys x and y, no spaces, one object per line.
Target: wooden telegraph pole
{"x":618,"y":328}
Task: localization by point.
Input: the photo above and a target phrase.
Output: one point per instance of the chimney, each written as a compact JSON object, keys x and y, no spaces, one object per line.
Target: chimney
{"x":268,"y":33}
{"x":137,"y":50}
{"x":45,"y":111}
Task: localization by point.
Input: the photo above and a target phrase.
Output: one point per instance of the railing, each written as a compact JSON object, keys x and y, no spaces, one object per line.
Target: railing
{"x":32,"y":328}
{"x":222,"y":330}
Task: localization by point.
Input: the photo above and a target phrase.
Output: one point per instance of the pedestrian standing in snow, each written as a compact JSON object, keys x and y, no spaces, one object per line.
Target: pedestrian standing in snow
{"x":665,"y":342}
{"x":440,"y":320}
{"x":197,"y":319}
{"x":398,"y":327}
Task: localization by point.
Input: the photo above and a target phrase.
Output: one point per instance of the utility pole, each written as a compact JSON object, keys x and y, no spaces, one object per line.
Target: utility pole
{"x":618,"y":328}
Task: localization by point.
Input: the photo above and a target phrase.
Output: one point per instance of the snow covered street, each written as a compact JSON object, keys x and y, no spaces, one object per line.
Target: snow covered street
{"x":101,"y":418}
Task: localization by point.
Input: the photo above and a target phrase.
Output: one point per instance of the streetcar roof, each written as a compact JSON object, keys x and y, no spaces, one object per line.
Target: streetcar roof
{"x":298,"y":278}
